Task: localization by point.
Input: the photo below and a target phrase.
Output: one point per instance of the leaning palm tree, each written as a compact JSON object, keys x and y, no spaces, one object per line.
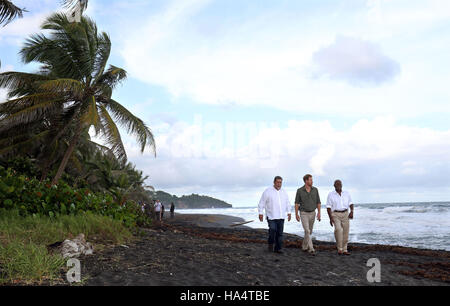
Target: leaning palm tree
{"x":9,"y":11}
{"x":72,"y":91}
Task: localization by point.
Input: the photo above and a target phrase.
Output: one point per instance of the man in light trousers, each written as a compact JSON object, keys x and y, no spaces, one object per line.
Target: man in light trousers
{"x":307,"y":200}
{"x":338,"y":203}
{"x":275,"y":202}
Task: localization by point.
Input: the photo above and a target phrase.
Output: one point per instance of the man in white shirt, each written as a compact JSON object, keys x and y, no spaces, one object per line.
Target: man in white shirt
{"x":158,"y":210}
{"x":338,"y":203}
{"x":275,"y":202}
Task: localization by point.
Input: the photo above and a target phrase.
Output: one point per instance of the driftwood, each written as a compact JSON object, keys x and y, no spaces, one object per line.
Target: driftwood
{"x":240,"y":223}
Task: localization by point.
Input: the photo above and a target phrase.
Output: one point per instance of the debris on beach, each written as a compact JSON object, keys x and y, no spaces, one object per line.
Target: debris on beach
{"x":73,"y":248}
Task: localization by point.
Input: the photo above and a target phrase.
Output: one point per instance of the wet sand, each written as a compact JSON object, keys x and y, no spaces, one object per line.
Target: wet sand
{"x":197,"y":250}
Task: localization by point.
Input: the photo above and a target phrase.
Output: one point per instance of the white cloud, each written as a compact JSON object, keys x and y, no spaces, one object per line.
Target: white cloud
{"x":255,"y":62}
{"x":371,"y":156}
{"x":391,"y":18}
{"x":356,"y":61}
{"x":7,"y":67}
{"x":15,"y":32}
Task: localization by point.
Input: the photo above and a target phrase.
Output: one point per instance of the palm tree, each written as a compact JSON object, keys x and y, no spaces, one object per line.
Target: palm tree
{"x":9,"y":11}
{"x":72,"y":91}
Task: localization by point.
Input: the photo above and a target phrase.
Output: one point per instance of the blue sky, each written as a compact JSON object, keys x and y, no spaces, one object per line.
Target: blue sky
{"x":237,"y":92}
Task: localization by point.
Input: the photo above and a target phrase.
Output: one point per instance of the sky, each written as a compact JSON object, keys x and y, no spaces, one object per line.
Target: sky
{"x":237,"y":92}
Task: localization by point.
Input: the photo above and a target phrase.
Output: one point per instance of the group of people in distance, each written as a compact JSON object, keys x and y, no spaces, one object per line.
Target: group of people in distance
{"x":275,"y":203}
{"x":157,"y":209}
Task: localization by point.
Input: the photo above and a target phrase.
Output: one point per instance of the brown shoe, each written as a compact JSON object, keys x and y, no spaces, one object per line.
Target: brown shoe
{"x":346,"y":253}
{"x":340,"y":253}
{"x":270,"y":248}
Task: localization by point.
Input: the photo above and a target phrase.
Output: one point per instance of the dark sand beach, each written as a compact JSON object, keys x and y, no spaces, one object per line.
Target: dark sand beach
{"x":197,"y":250}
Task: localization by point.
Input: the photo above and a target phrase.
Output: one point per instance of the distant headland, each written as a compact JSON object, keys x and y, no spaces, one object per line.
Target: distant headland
{"x":191,"y":201}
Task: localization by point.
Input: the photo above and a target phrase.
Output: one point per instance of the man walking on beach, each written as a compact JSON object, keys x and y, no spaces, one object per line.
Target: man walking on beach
{"x":275,"y":202}
{"x":338,"y":203}
{"x":307,"y":200}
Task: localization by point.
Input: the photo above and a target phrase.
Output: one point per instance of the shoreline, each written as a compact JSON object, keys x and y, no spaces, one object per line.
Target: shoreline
{"x":197,"y":250}
{"x":226,"y":222}
{"x":220,"y":221}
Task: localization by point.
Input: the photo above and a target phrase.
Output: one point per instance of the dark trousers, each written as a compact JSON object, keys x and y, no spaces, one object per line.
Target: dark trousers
{"x":276,"y":227}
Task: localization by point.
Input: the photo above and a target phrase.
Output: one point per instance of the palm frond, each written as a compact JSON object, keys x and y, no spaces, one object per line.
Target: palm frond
{"x":23,"y":144}
{"x":112,"y":77}
{"x":13,"y":106}
{"x":103,"y":149}
{"x":102,"y":55}
{"x":20,"y":83}
{"x":9,"y":11}
{"x":27,"y":115}
{"x":61,"y":86}
{"x":90,"y":116}
{"x":112,"y":135}
{"x":133,"y":124}
{"x":65,"y":51}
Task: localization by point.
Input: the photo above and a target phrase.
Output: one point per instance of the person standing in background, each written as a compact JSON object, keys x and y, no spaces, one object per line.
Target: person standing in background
{"x":172,"y":210}
{"x":157,"y":209}
{"x":307,"y":200}
{"x":338,"y":203}
{"x":275,"y":202}
{"x":162,"y":211}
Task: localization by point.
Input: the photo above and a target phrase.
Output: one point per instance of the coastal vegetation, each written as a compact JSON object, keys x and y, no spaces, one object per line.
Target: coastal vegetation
{"x":56,"y":181}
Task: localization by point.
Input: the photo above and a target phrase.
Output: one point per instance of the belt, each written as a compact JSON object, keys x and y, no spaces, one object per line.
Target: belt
{"x":341,"y":210}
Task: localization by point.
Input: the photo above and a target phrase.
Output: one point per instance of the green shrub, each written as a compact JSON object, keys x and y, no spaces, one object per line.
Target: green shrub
{"x":32,"y":197}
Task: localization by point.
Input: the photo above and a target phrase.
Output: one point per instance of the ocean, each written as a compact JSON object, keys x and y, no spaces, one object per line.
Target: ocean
{"x":421,"y":225}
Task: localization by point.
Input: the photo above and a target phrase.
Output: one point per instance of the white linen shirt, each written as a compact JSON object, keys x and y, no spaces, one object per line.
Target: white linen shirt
{"x":158,"y":206}
{"x":339,"y":202}
{"x":275,"y":203}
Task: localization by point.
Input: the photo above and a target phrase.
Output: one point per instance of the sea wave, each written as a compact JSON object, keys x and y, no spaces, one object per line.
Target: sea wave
{"x":425,"y":225}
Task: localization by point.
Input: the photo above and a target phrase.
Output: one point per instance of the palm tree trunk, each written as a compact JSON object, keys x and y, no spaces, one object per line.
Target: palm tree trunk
{"x":67,"y":155}
{"x":48,"y":160}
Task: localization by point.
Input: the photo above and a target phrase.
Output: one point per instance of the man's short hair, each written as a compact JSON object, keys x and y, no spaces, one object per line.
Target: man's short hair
{"x":306,"y":177}
{"x":277,"y":178}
